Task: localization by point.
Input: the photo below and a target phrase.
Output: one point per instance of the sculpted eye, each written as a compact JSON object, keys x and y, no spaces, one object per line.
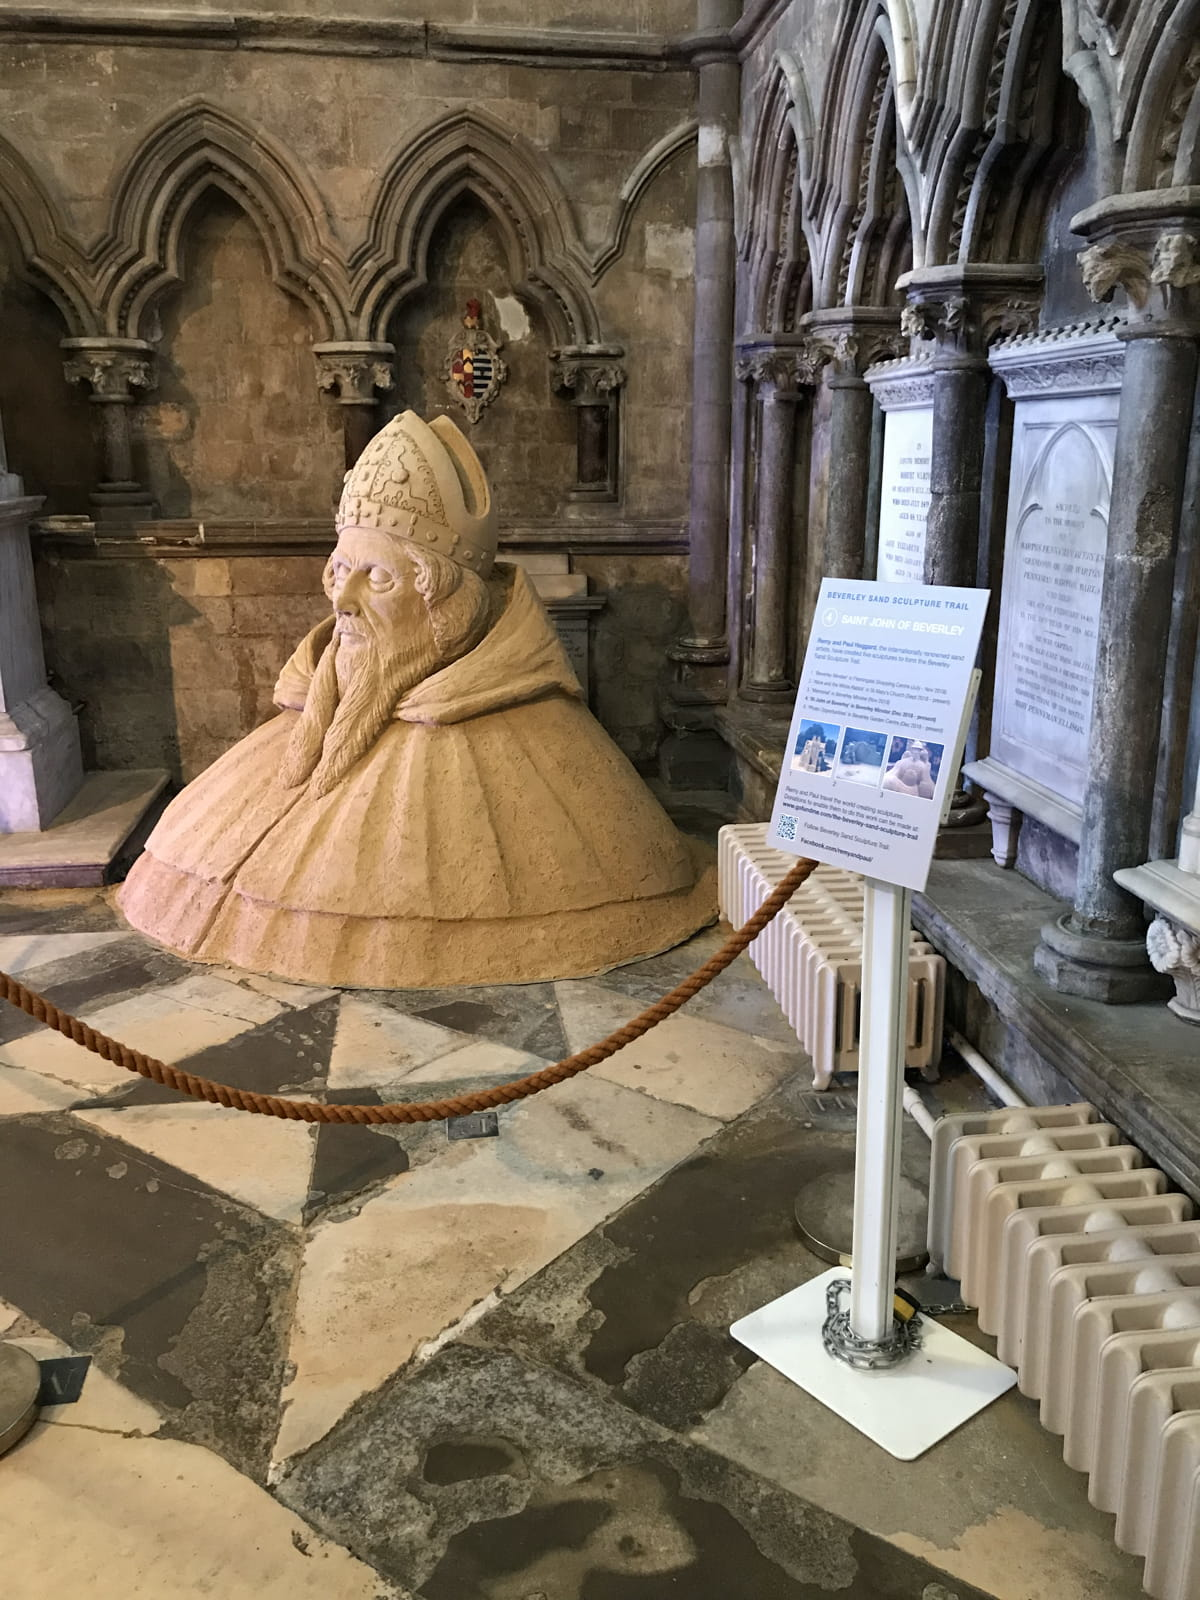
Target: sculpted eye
{"x":338,"y":570}
{"x":381,"y":578}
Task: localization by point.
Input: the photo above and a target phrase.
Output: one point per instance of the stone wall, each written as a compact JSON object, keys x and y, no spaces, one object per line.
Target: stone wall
{"x":241,"y":170}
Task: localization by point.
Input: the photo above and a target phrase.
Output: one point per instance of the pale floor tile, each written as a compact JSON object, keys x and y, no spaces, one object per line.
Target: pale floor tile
{"x":20,"y":952}
{"x":209,"y":991}
{"x":482,"y":1217}
{"x":293,"y":995}
{"x":375,"y":1044}
{"x":119,"y":1518}
{"x":686,"y":1060}
{"x":155,"y":1022}
{"x":480,"y":1060}
{"x":104,"y":1404}
{"x":262,"y":1161}
{"x":23,"y":1092}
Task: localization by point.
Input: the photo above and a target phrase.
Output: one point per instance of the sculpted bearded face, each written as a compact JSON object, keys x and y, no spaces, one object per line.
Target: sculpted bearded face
{"x":401,"y":613}
{"x":912,"y":774}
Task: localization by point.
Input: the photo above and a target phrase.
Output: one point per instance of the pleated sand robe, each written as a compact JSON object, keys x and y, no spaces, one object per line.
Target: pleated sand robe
{"x":493,"y":834}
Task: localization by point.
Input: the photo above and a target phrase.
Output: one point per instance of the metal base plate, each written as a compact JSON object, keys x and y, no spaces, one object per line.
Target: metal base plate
{"x":903,"y":1409}
{"x":20,"y":1380}
{"x":825,"y":1220}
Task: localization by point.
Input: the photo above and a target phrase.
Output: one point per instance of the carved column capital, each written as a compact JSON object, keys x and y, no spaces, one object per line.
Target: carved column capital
{"x":588,"y":374}
{"x":117,"y":371}
{"x":844,"y":341}
{"x":955,"y":314}
{"x":354,"y":373}
{"x":1160,"y":276}
{"x":786,"y":370}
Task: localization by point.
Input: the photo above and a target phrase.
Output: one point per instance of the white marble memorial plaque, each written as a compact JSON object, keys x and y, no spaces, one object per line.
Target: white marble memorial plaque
{"x":904,"y":501}
{"x":1066,"y":386}
{"x":1050,"y":603}
{"x":904,"y":392}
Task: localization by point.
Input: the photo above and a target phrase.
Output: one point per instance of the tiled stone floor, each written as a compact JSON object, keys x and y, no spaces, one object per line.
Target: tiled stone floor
{"x":377,"y":1363}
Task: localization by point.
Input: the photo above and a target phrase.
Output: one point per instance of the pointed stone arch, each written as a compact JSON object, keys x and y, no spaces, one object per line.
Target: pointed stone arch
{"x":775,"y":243}
{"x":43,"y":250}
{"x":1163,"y":95}
{"x":866,"y":189}
{"x":468,"y":151}
{"x":195,"y":150}
{"x":1009,"y":126}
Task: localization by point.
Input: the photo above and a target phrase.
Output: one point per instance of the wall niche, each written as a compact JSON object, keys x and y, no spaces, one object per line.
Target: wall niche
{"x":237,"y":427}
{"x":526,"y":438}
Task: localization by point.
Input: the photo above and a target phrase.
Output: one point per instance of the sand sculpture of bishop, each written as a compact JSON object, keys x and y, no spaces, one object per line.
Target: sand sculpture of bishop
{"x":434,"y":804}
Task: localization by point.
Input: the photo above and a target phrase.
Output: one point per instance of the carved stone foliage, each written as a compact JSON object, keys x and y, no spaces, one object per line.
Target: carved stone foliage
{"x":1159,"y":281}
{"x":787,"y":370}
{"x":354,"y":374}
{"x":847,"y":352}
{"x":116,"y":371}
{"x":588,"y":376}
{"x":967,"y":324}
{"x":1176,"y":951}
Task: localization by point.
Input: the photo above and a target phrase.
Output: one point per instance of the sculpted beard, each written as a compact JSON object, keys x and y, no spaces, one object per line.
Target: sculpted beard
{"x":340,"y":724}
{"x":354,"y":691}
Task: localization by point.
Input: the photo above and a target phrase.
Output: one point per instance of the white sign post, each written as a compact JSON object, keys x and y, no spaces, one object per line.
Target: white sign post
{"x":874,"y":747}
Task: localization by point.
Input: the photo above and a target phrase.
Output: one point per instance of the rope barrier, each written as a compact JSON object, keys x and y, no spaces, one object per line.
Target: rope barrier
{"x":222,"y":1094}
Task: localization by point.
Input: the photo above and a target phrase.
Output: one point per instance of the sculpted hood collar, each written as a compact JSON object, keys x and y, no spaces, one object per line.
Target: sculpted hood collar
{"x":518,"y":660}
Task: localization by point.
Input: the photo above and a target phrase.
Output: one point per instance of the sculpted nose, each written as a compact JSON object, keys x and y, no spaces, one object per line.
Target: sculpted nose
{"x":346,"y":594}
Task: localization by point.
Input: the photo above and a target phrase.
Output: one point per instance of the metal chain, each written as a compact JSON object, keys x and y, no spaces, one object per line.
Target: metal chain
{"x":867,"y":1355}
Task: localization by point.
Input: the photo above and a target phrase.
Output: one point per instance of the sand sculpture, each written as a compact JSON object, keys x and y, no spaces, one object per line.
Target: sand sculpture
{"x":912,"y":773}
{"x":434,"y":804}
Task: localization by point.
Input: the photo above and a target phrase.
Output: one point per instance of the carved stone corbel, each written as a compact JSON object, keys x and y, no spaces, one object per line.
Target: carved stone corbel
{"x":591,"y":377}
{"x":1159,"y":276}
{"x":1176,"y":951}
{"x":354,"y":373}
{"x":118,"y":373}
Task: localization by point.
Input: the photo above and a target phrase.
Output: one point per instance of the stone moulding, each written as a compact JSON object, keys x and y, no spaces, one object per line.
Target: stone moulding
{"x":902,"y":385}
{"x":1078,"y":359}
{"x":79,"y":538}
{"x":1028,"y":796}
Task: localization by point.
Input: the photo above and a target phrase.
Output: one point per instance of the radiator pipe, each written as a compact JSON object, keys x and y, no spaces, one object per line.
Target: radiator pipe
{"x":984,"y":1071}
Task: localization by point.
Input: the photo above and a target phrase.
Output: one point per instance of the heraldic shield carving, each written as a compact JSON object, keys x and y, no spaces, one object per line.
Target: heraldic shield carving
{"x":474,"y":369}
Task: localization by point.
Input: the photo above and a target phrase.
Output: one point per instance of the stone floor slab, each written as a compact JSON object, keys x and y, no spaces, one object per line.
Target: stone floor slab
{"x":117,"y":1517}
{"x":476,"y":1221}
{"x":690,"y":1061}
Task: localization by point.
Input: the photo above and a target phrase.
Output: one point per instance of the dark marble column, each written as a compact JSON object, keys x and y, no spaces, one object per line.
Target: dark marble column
{"x":848,"y":340}
{"x":354,"y":373}
{"x":118,"y":373}
{"x":591,"y":377}
{"x":957,"y":312}
{"x":1098,"y":948}
{"x":766,"y":678}
{"x":705,"y":644}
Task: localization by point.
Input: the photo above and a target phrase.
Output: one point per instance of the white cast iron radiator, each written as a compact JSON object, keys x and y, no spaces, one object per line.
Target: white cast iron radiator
{"x":1088,"y":1272}
{"x":811,"y":954}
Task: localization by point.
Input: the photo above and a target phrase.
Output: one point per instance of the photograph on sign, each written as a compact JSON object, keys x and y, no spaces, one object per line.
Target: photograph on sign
{"x":875,"y":738}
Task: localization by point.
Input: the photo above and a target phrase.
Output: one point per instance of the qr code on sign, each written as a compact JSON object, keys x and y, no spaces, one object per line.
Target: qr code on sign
{"x":787,"y":827}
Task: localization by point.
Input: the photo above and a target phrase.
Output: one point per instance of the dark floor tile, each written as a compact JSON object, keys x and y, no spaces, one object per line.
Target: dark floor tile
{"x":57,"y":911}
{"x":522,"y":1016}
{"x":481,"y":1475}
{"x":178,"y":1292}
{"x":351,"y":1159}
{"x":94,"y":978}
{"x":288,"y":1055}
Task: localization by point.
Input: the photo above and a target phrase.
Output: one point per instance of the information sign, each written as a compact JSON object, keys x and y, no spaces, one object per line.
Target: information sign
{"x":876,"y":735}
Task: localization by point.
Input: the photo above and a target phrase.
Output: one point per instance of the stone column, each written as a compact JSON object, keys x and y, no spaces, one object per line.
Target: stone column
{"x":959,"y":311}
{"x":591,"y":377}
{"x":355,"y":373}
{"x":40,"y":764}
{"x":119,"y":372}
{"x":705,"y":644}
{"x":1098,"y":948}
{"x":849,"y":340}
{"x":777,"y":375}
